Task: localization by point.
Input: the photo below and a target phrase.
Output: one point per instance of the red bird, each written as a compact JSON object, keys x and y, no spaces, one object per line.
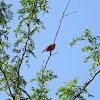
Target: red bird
{"x":49,"y":48}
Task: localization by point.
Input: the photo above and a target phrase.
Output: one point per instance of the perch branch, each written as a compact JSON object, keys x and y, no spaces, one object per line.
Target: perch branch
{"x":59,"y":29}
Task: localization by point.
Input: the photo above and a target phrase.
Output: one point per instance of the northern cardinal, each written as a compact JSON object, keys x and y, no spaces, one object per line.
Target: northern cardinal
{"x":49,"y":48}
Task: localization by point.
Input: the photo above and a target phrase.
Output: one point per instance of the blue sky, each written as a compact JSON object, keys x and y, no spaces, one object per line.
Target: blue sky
{"x":68,"y":63}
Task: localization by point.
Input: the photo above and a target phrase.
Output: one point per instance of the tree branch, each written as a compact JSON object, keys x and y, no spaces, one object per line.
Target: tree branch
{"x":23,"y":91}
{"x":23,"y":54}
{"x":47,"y":60}
{"x":42,"y":80}
{"x":7,"y":84}
{"x":58,"y":30}
{"x":86,"y":85}
{"x":25,"y":47}
{"x":54,"y":42}
{"x":26,"y":93}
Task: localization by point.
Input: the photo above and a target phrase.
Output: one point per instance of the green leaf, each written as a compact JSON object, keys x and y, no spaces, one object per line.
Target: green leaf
{"x":87,"y":48}
{"x":33,"y":80}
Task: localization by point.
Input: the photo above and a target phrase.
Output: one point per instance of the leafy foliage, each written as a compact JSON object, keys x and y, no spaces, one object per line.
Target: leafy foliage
{"x":42,"y":81}
{"x":93,"y":48}
{"x":28,"y":14}
{"x":9,"y":69}
{"x":5,"y":68}
{"x":11,"y":82}
{"x":5,"y":13}
{"x":70,"y":90}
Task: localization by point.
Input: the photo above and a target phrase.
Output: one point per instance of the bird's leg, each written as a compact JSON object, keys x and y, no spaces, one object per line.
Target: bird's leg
{"x":50,"y":53}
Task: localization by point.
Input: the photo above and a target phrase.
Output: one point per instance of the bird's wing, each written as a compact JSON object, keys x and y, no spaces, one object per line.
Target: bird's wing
{"x":49,"y":48}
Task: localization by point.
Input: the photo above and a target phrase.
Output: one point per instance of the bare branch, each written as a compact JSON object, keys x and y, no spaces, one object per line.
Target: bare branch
{"x":58,"y":30}
{"x":47,"y":60}
{"x":86,"y":85}
{"x":54,"y":53}
{"x":61,"y":20}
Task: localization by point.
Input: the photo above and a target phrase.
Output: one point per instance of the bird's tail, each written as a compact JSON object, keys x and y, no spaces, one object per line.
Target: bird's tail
{"x":43,"y":51}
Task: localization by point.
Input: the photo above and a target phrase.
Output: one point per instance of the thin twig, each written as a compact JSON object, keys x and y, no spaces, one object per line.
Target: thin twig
{"x":33,"y":7}
{"x":70,"y":13}
{"x":54,"y":53}
{"x":7,"y":93}
{"x":86,"y":85}
{"x":42,"y":79}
